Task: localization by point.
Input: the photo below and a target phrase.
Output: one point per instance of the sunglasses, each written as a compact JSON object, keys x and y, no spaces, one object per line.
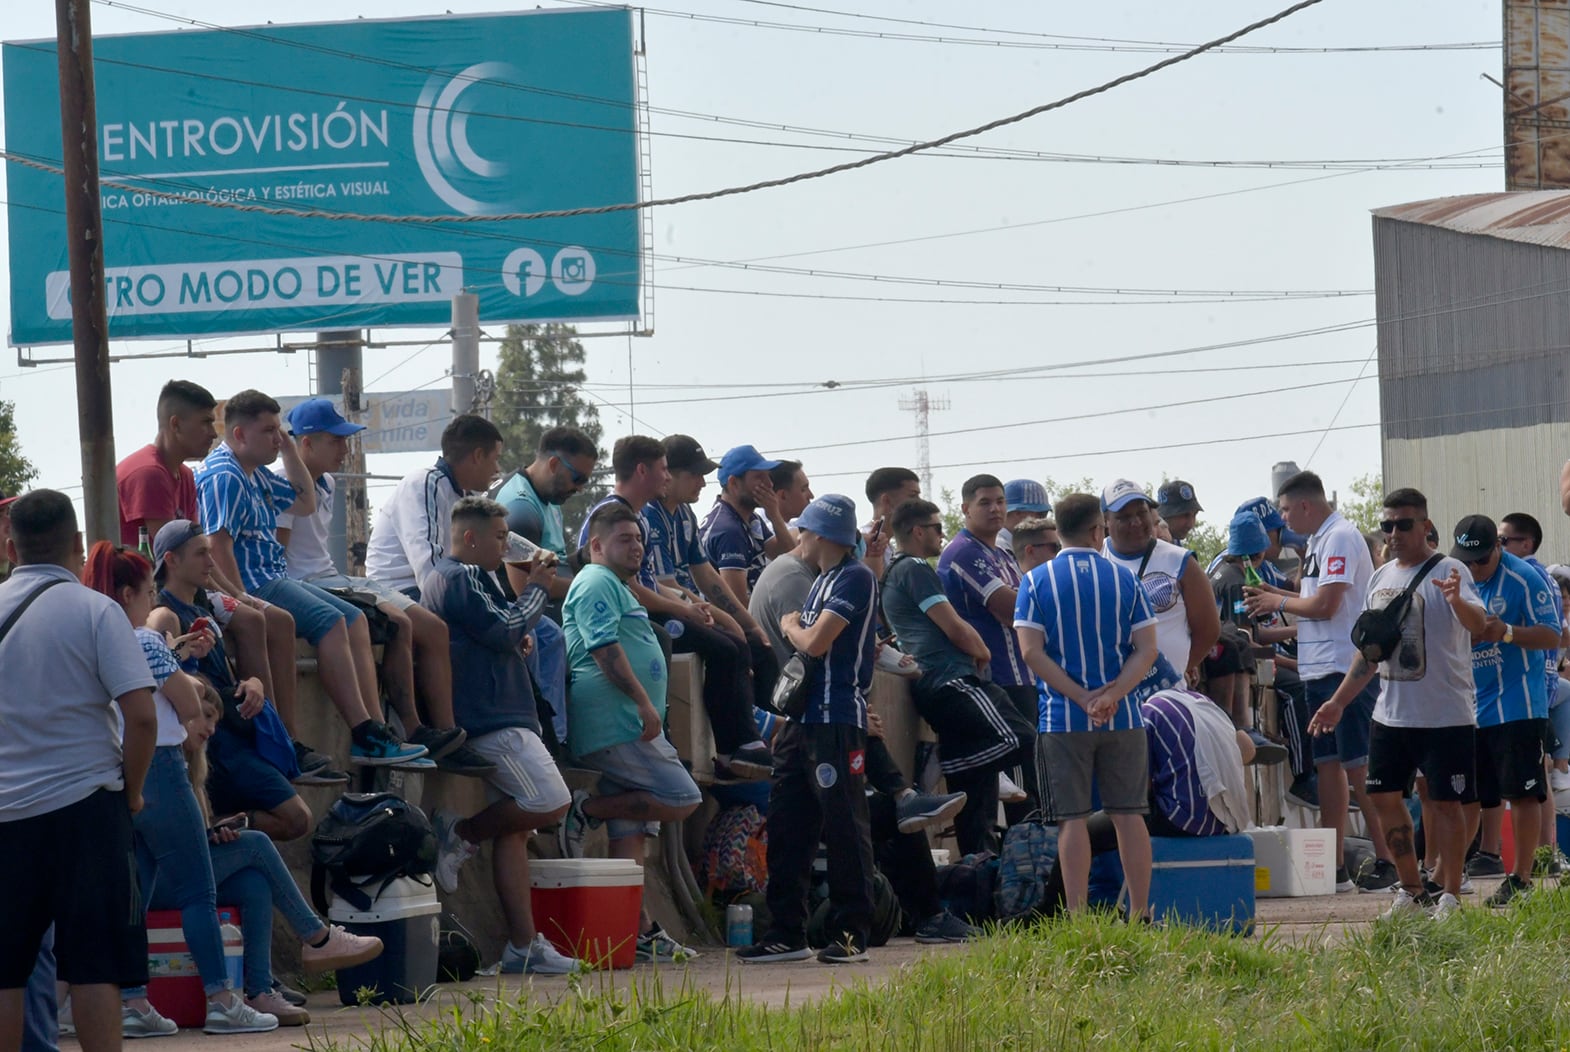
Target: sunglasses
{"x":931,"y":526}
{"x":578,"y":477}
{"x":1512,"y":540}
{"x":1392,"y":525}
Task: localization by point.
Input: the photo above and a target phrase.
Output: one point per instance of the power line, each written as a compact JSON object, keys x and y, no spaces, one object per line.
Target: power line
{"x":710,"y":195}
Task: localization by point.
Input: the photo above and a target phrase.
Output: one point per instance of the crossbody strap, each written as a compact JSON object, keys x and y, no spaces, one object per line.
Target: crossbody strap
{"x":1406,"y":594}
{"x":1150,"y":549}
{"x":21,"y":607}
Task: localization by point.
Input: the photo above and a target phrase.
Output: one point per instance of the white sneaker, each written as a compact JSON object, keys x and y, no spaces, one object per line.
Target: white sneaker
{"x":134,"y":1024}
{"x":541,"y":958}
{"x":1466,"y":885}
{"x":1404,"y":903}
{"x":1446,"y":905}
{"x":1008,"y":792}
{"x":452,"y":850}
{"x":898,"y":662}
{"x":237,"y":1017}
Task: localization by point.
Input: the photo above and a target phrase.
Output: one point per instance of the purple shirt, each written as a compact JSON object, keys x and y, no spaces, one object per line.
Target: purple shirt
{"x":1174,"y":777}
{"x":971,"y":572}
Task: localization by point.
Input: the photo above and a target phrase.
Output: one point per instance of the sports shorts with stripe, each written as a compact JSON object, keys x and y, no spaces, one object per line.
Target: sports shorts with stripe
{"x":525,"y":772}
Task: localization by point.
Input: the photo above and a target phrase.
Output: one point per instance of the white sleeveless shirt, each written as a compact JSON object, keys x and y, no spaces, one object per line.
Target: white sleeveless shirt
{"x":1162,"y":581}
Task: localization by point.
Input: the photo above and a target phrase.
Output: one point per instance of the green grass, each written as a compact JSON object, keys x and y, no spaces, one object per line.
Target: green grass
{"x":1479,"y":981}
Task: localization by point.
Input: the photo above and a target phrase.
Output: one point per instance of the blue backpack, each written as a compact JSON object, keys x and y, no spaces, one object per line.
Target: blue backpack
{"x":1030,"y":850}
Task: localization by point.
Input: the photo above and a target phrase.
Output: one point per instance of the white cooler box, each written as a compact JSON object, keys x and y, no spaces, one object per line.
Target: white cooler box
{"x":1292,"y":863}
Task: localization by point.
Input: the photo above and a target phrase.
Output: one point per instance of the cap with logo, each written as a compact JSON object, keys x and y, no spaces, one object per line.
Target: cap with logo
{"x":682,"y":453}
{"x":172,"y":536}
{"x":316,"y":416}
{"x":1176,"y":498}
{"x":1120,"y":493}
{"x":832,"y":517}
{"x":1246,"y":534}
{"x":1026,"y":495}
{"x":1476,"y":538}
{"x":1265,"y":510}
{"x":739,"y":461}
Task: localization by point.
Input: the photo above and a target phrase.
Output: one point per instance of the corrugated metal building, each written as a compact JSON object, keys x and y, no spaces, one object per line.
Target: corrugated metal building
{"x":1473,"y":301}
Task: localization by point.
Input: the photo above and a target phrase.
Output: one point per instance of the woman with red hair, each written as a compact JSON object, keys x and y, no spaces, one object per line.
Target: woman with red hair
{"x":171,"y":837}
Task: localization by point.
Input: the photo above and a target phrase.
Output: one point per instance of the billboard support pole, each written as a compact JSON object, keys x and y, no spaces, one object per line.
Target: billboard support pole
{"x":338,"y":372}
{"x":465,"y":352}
{"x":85,"y":242}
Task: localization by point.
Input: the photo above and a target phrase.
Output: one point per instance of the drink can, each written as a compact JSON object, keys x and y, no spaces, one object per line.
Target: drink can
{"x":738,"y":925}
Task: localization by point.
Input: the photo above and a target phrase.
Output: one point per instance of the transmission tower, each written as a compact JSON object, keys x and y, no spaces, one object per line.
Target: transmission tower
{"x":924,"y":405}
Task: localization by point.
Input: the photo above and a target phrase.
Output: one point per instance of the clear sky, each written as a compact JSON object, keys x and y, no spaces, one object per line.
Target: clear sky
{"x":978,"y":219}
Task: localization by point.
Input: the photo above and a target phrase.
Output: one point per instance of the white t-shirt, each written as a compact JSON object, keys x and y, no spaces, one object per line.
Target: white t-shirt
{"x":1337,"y":554}
{"x":163,"y":664}
{"x":66,"y":659}
{"x":1427,"y":682}
{"x":307,"y":552}
{"x":1162,"y":580}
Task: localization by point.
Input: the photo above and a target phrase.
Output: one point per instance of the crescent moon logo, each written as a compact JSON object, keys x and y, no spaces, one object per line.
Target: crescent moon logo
{"x":441,"y":141}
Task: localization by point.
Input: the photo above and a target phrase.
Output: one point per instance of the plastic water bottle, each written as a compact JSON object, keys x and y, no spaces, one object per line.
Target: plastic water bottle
{"x":738,"y":925}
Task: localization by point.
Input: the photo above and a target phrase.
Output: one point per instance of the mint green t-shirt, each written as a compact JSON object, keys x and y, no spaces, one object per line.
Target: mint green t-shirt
{"x":600,"y":610}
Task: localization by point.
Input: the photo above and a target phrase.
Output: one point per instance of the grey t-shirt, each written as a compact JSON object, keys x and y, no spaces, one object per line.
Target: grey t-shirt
{"x":66,"y":659}
{"x":1427,"y":682}
{"x":782,"y":588}
{"x":911,"y":587}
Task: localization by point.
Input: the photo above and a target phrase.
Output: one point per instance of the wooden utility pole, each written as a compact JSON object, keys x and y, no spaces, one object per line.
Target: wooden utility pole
{"x":85,"y":240}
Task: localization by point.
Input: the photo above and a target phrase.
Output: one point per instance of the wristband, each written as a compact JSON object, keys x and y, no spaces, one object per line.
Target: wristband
{"x":1281,"y":607}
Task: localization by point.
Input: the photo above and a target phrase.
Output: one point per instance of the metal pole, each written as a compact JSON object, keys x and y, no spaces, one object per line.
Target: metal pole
{"x":85,"y":239}
{"x":465,"y":351}
{"x":338,"y":370}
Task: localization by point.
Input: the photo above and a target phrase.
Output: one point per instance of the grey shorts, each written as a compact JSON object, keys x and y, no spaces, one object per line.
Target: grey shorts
{"x":378,"y":591}
{"x":652,"y":767}
{"x":1116,"y":762}
{"x":525,"y":772}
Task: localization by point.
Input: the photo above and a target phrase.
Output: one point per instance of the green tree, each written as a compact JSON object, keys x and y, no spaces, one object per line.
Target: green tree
{"x":539,"y":378}
{"x":16,"y":471}
{"x":1362,"y":509}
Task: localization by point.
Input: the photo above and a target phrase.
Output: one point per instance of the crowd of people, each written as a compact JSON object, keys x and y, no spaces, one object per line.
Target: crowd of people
{"x":1073,"y":659}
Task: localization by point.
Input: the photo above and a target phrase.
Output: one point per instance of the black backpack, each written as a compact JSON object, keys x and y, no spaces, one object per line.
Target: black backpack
{"x":367,"y":841}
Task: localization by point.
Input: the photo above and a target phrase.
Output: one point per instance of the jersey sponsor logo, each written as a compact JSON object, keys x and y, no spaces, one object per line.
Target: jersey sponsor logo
{"x":657,"y":669}
{"x":826,"y":775}
{"x":858,"y":762}
{"x":1335,"y":565}
{"x":1496,"y":605}
{"x":1542,"y":597}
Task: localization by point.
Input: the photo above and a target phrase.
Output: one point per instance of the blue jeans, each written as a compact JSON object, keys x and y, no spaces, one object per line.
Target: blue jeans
{"x":316,"y":612}
{"x":173,"y":866}
{"x":40,"y":1024}
{"x":250,"y":874}
{"x":548,"y":668}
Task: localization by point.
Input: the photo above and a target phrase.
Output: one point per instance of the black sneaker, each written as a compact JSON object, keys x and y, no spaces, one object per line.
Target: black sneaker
{"x":1304,"y":792}
{"x":945,"y":927}
{"x":923,"y":810}
{"x":465,"y":761}
{"x":438,"y":743}
{"x":1379,"y":875}
{"x":1511,"y":889}
{"x":752,"y":762}
{"x":841,"y":953}
{"x":1484,"y":864}
{"x":1266,"y":752}
{"x":308,"y":759}
{"x":773,"y":951}
{"x":316,"y":768}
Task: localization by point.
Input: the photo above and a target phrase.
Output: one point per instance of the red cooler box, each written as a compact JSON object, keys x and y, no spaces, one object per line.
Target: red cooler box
{"x":588,"y":907}
{"x":174,"y":987}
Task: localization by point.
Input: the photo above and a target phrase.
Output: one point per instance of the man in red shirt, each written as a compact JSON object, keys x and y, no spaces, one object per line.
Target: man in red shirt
{"x":156,"y":487}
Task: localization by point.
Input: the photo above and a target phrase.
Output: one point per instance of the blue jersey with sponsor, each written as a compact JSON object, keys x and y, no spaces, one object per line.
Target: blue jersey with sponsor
{"x":1087,"y":608}
{"x":1550,"y":657}
{"x":734,"y":543}
{"x":247,"y":507}
{"x":971,"y":571}
{"x":837,"y":691}
{"x":1511,"y":684}
{"x":674,"y":546}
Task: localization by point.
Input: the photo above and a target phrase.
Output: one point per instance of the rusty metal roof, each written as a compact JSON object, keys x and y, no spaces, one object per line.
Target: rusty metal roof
{"x":1537,"y":217}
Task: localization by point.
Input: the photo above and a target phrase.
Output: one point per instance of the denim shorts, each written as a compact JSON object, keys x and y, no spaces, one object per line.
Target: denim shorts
{"x":315,"y":612}
{"x":1349,"y":743}
{"x":652,"y":767}
{"x":240,"y":780}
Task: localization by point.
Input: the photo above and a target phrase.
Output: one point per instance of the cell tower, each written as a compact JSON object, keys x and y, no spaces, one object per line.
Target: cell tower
{"x":924,"y":405}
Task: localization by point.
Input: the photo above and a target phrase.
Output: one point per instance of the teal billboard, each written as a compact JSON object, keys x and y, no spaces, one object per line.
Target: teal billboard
{"x":478,"y":116}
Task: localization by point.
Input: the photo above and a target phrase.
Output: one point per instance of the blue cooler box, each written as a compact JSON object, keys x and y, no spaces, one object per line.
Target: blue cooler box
{"x":1206,"y":881}
{"x":406,"y":916}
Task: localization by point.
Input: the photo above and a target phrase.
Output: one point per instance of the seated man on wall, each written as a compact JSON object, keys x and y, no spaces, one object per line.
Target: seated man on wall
{"x":496,"y":705}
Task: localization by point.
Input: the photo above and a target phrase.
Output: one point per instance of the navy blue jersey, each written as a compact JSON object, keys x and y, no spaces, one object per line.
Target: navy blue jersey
{"x":838,"y":689}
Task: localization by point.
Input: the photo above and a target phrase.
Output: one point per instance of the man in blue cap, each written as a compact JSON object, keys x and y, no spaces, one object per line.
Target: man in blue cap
{"x":820,"y":786}
{"x":415,"y":659}
{"x":1024,"y":499}
{"x":737,"y":540}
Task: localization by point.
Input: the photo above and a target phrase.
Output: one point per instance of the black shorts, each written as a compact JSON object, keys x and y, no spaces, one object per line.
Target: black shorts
{"x":1510,"y":762}
{"x":1447,"y":757}
{"x":1231,"y":654}
{"x":74,"y":868}
{"x":978,"y":725}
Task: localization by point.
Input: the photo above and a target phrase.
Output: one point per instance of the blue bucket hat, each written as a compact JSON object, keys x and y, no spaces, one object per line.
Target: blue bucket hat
{"x":832,"y":517}
{"x":1246,"y":534}
{"x":1026,"y":495}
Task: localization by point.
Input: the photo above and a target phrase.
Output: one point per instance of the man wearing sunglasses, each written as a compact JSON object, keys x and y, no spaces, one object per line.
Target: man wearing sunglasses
{"x":1425,"y":720}
{"x":1335,"y":576}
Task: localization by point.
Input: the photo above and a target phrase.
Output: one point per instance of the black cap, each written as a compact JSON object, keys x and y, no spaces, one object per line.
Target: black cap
{"x":682,"y":453}
{"x":1476,"y":539}
{"x":1176,"y":498}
